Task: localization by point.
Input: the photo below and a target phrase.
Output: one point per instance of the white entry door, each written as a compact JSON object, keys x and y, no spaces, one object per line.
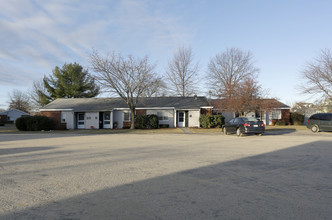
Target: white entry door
{"x":80,"y":120}
{"x":107,"y":120}
{"x":181,"y":119}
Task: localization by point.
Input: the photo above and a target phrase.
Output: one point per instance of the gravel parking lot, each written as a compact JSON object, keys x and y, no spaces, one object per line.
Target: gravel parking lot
{"x":281,"y":175}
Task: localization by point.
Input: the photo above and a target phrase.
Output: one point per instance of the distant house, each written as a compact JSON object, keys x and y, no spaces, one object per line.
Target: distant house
{"x":11,"y":115}
{"x":270,"y":111}
{"x":308,"y":109}
{"x":86,"y":113}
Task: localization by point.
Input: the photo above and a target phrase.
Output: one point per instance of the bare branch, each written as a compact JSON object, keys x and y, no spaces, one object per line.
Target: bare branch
{"x":128,"y":77}
{"x":227,"y":70}
{"x":19,"y":100}
{"x":318,"y":75}
{"x":181,"y":72}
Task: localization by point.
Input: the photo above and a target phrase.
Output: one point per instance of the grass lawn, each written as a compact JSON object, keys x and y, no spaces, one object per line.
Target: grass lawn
{"x":205,"y":130}
{"x":8,"y":128}
{"x":287,"y":127}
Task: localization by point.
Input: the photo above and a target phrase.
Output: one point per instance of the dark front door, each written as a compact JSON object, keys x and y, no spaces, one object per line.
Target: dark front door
{"x":101,"y":120}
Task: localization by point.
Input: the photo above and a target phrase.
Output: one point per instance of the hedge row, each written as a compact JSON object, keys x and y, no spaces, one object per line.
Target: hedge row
{"x":146,"y":121}
{"x":211,"y":121}
{"x":297,"y":119}
{"x":34,"y":123}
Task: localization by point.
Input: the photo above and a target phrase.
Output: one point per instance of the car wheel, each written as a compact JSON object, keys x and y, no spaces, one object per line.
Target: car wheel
{"x":315,"y":128}
{"x":225,"y":131}
{"x":239,"y":133}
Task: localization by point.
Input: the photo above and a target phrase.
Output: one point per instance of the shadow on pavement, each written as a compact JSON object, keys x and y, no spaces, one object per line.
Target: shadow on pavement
{"x":18,"y":150}
{"x":279,"y":131}
{"x":295,"y":183}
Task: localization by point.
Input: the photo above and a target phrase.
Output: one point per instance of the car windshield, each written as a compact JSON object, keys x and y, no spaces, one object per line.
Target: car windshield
{"x":249,"y":119}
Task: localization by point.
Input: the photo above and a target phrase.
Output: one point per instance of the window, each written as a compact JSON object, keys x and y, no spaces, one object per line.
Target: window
{"x":63,"y":117}
{"x":107,"y":116}
{"x":126,"y":116}
{"x":249,"y":119}
{"x":162,"y":115}
{"x":81,"y":116}
{"x":238,"y":120}
{"x":181,"y":116}
{"x":276,"y":114}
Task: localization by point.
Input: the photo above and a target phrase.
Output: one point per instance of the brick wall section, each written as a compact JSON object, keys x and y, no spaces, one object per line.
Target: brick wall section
{"x":141,"y":112}
{"x":285,"y":117}
{"x":206,"y":111}
{"x":56,"y":116}
{"x":126,"y":124}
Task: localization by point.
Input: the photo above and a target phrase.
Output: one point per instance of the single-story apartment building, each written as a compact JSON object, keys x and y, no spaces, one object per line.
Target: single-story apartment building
{"x":11,"y":115}
{"x":99,"y":113}
{"x":269,"y":111}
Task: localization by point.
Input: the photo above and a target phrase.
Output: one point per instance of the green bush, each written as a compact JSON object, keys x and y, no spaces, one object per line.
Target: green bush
{"x":211,"y":121}
{"x":280,"y":123}
{"x":153,"y":121}
{"x":140,"y":122}
{"x":297,"y":119}
{"x":146,"y":121}
{"x":164,"y":126}
{"x":34,"y":123}
{"x":204,"y":121}
{"x":21,"y":124}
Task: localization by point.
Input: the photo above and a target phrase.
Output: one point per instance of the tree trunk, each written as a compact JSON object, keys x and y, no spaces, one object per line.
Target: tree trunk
{"x":132,"y":111}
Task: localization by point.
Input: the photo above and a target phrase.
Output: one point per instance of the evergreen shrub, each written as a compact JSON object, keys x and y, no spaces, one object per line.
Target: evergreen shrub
{"x":34,"y":123}
{"x":146,"y":121}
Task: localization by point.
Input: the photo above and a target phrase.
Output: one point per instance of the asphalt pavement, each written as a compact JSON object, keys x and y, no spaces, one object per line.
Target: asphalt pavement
{"x":280,"y":175}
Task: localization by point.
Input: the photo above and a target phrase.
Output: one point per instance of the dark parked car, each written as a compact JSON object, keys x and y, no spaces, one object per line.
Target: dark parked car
{"x":243,"y":125}
{"x":320,"y":122}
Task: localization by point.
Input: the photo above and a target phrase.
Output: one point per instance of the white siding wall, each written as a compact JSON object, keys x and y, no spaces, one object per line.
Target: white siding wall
{"x":118,"y":117}
{"x":193,"y":117}
{"x":69,"y":117}
{"x":92,"y":119}
{"x":170,"y":114}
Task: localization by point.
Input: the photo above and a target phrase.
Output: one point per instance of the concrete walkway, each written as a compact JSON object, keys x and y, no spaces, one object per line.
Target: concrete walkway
{"x":186,"y":130}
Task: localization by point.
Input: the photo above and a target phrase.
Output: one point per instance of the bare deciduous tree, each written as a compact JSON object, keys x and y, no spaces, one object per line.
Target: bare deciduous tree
{"x":228,"y":69}
{"x":127,"y":77}
{"x":19,"y":100}
{"x":182,"y":73}
{"x":157,"y":88}
{"x":318,"y":75}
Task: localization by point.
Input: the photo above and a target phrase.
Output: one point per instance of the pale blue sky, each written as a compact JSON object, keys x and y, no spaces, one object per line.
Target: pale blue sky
{"x":36,"y":36}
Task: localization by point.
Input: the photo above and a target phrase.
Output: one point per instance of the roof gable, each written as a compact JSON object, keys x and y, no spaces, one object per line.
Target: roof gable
{"x":14,"y":110}
{"x":266,"y":103}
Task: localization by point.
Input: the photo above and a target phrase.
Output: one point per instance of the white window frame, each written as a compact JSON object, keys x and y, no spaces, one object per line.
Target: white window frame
{"x":63,"y":117}
{"x":124,"y":116}
{"x":163,"y":115}
{"x":276,"y":114}
{"x":107,"y":121}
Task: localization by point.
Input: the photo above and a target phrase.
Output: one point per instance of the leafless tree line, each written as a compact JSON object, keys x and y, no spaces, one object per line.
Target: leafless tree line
{"x":318,"y":75}
{"x":230,"y":75}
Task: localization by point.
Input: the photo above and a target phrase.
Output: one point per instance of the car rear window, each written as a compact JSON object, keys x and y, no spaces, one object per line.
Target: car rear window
{"x":314,"y":117}
{"x":249,"y":119}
